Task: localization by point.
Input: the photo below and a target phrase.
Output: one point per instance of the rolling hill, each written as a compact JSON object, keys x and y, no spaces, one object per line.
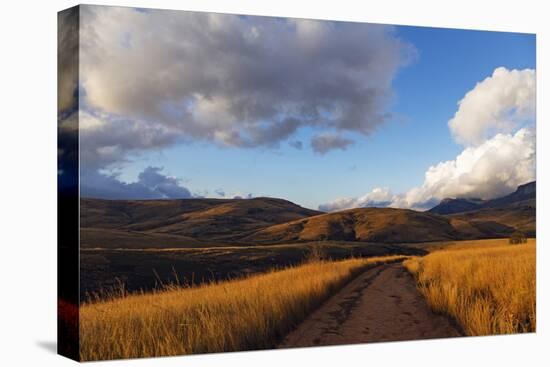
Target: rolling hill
{"x":219,"y":222}
{"x":499,"y":217}
{"x":180,"y":223}
{"x":495,"y":222}
{"x":385,"y":225}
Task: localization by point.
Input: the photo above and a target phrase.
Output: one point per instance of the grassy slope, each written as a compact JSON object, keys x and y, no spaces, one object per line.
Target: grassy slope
{"x":487,"y":222}
{"x":180,"y":223}
{"x":252,"y":313}
{"x":384,"y":225}
{"x":489,"y":287}
{"x":114,"y":239}
{"x":217,"y":222}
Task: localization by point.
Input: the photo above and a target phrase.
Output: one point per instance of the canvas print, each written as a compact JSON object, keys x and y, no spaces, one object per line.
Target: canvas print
{"x":236,"y":183}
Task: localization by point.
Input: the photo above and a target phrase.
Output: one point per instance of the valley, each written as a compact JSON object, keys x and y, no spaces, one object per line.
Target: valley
{"x":145,"y":244}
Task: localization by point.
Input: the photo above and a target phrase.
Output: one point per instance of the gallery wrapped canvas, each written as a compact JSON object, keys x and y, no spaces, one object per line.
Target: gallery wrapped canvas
{"x":234,"y":183}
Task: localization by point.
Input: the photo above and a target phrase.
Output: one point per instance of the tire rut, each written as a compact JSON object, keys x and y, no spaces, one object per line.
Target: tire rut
{"x":381,"y":304}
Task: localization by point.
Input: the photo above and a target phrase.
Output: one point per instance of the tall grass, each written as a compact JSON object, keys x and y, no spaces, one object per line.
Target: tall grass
{"x":488,"y":287}
{"x":252,"y":313}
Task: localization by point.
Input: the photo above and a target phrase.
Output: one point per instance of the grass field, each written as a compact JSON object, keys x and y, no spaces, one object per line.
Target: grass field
{"x":251,"y":313}
{"x":488,"y":286}
{"x":102,"y":270}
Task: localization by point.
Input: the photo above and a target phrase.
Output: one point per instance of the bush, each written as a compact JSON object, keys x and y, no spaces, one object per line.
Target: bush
{"x":518,"y":237}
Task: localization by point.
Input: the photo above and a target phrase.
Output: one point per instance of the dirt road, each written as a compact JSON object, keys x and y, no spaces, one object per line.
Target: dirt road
{"x":382,"y":304}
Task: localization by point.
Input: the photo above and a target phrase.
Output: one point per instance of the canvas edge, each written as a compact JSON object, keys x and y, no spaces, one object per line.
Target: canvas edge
{"x":68,"y":300}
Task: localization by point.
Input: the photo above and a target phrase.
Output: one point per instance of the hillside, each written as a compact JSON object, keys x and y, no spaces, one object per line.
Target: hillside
{"x":499,"y":217}
{"x":450,"y":206}
{"x":218,"y":222}
{"x":384,"y":225}
{"x":179,"y":223}
{"x":495,"y":222}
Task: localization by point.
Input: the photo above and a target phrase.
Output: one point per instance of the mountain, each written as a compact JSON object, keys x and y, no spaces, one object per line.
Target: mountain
{"x":524,"y":196}
{"x":218,"y":222}
{"x":385,"y":225}
{"x":495,"y":222}
{"x":493,"y":218}
{"x":450,"y":206}
{"x":180,"y":223}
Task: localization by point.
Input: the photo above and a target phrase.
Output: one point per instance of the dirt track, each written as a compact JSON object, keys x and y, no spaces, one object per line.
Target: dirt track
{"x":382,"y":304}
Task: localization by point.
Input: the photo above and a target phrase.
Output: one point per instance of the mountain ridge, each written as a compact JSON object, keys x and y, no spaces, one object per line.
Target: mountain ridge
{"x":257,"y":221}
{"x":135,"y":223}
{"x":525,"y":192}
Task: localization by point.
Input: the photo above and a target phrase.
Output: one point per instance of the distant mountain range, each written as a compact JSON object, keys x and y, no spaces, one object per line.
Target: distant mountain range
{"x":257,"y":221}
{"x":524,"y":195}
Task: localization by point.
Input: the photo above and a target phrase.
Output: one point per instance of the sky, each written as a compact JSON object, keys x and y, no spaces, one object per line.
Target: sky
{"x":329,"y":115}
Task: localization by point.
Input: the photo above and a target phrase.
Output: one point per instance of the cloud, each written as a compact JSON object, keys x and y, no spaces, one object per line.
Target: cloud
{"x":166,"y":186}
{"x":495,"y":168}
{"x":235,"y":195}
{"x":247,"y":196}
{"x":378,"y":197}
{"x":323,"y":143}
{"x":67,"y":60}
{"x":231,"y":80}
{"x":492,"y":169}
{"x":499,"y":104}
{"x":151,"y":184}
{"x":150,"y":80}
{"x":67,"y":101}
{"x":105,"y":139}
{"x":488,"y":167}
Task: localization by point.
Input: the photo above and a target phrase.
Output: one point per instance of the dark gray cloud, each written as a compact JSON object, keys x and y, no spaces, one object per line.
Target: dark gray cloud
{"x":67,"y":101}
{"x":153,"y":79}
{"x":105,"y":140}
{"x":324,"y":143}
{"x":159,"y":77}
{"x":151,"y":184}
{"x":67,"y":60}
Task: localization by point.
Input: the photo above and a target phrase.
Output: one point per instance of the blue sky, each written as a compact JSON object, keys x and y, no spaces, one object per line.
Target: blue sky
{"x":442,"y":67}
{"x":449,"y":63}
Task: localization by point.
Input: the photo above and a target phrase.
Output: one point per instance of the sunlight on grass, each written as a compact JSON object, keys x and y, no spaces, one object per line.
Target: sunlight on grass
{"x":252,"y":313}
{"x":489,"y":287}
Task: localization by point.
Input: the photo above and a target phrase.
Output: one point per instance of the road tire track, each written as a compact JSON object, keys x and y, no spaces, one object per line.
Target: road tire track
{"x":382,"y":304}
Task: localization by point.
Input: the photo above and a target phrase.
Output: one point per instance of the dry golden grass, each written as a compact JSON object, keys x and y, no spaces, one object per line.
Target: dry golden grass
{"x":488,"y":286}
{"x":252,"y":313}
{"x":378,"y":225}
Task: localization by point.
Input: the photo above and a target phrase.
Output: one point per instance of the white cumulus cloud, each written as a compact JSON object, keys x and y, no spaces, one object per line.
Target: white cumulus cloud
{"x":495,"y":122}
{"x":500,"y":103}
{"x":494,"y":168}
